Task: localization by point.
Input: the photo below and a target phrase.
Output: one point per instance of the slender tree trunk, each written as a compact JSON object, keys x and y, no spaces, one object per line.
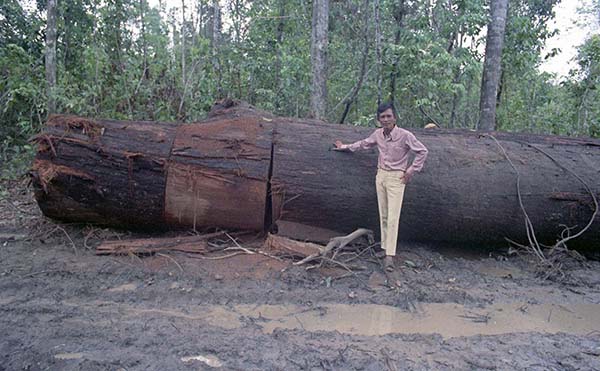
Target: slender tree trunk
{"x":180,"y":113}
{"x":51,"y":55}
{"x":456,"y":40}
{"x":492,"y":66}
{"x":430,"y":16}
{"x":399,"y":13}
{"x":279,"y":46}
{"x":363,"y":65}
{"x":236,"y":19}
{"x":65,"y":36}
{"x":252,"y":88}
{"x":200,"y":11}
{"x":216,"y":33}
{"x":377,"y":15}
{"x":194,"y":19}
{"x":468,"y":113}
{"x":318,"y":56}
{"x":144,"y":46}
{"x":98,"y":98}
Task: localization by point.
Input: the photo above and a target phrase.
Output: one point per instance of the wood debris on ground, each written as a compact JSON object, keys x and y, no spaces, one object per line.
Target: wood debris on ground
{"x":340,"y":251}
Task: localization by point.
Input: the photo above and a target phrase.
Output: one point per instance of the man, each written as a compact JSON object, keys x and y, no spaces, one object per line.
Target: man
{"x":393,"y":172}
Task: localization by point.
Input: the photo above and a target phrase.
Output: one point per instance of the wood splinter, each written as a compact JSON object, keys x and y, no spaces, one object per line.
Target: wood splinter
{"x":309,"y":251}
{"x":339,"y":243}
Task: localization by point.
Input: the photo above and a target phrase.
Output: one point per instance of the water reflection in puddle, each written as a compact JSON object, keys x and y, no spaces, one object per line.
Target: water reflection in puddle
{"x":446,"y":319}
{"x":449,"y":320}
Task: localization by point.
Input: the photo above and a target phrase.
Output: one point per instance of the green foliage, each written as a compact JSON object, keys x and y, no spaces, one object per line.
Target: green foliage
{"x":586,"y":89}
{"x":16,"y":161}
{"x":124,"y":59}
{"x":22,"y":98}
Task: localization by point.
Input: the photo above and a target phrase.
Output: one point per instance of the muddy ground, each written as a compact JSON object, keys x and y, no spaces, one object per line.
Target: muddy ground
{"x":64,"y":308}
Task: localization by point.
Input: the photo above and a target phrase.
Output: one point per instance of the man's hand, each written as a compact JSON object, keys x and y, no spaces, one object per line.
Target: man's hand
{"x":408,"y":175}
{"x":338,"y":145}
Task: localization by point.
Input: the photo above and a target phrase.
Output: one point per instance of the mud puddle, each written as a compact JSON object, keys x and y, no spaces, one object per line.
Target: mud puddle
{"x":447,"y":319}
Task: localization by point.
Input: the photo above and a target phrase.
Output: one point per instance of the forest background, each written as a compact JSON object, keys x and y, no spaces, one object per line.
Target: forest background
{"x":127,"y":59}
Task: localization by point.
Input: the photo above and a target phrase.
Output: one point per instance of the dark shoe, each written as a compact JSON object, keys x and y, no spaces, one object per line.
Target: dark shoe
{"x":388,"y":263}
{"x":380,"y":254}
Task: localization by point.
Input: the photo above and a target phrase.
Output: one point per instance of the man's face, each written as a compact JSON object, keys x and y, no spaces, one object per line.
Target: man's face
{"x":387,"y":119}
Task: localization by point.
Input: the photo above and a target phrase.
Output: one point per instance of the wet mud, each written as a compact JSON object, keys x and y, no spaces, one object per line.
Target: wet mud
{"x":64,"y":308}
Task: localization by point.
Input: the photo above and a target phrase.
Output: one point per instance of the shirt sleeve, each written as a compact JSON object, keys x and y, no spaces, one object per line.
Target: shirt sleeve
{"x":420,"y":152}
{"x":364,"y":144}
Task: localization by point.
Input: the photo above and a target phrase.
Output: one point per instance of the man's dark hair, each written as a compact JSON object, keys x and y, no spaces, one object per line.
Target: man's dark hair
{"x":384,"y":107}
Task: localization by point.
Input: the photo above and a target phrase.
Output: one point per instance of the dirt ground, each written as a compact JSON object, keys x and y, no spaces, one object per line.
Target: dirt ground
{"x":64,"y":308}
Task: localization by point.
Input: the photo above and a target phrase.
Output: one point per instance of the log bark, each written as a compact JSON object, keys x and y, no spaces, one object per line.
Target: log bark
{"x":243,"y":168}
{"x":466,"y":193}
{"x":103,"y":171}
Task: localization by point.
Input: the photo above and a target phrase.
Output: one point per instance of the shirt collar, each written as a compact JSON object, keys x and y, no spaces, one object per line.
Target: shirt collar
{"x":394,"y":134}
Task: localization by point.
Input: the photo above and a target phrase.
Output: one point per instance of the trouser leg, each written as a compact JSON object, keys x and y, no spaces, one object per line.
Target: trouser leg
{"x":394,"y":187}
{"x":382,"y":203}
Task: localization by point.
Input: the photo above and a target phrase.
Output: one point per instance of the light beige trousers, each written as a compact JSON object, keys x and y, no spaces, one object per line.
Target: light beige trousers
{"x":390,"y":193}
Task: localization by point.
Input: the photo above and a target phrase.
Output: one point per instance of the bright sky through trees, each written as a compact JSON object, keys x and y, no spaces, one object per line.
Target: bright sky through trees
{"x":573,"y":28}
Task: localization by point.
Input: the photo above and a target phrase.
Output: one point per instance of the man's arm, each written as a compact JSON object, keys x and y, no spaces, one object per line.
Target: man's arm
{"x":364,"y":144}
{"x":420,"y":156}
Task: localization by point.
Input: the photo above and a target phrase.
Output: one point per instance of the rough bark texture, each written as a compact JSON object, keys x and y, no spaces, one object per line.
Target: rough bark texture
{"x":400,"y":11}
{"x":318,"y":57}
{"x":103,"y":171}
{"x":492,"y":67}
{"x":216,"y":42}
{"x":51,"y":54}
{"x":466,"y":193}
{"x":244,"y":168}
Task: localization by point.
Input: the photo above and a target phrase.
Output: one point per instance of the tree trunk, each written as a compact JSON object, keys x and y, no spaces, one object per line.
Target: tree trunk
{"x":243,"y":168}
{"x":215,"y":38}
{"x":492,"y":66}
{"x":278,"y":56}
{"x":318,"y":56}
{"x":145,"y":72}
{"x":399,"y":13}
{"x":363,"y":66}
{"x":183,"y":70}
{"x":51,"y":55}
{"x":378,"y":42}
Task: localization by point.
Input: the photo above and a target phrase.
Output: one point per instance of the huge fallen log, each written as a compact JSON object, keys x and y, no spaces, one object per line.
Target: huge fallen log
{"x":244,"y":168}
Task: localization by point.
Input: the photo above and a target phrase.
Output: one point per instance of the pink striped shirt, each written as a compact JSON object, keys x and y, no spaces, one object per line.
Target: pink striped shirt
{"x":394,"y":150}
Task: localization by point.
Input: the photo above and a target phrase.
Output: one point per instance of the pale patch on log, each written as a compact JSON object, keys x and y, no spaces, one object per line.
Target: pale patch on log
{"x":219,"y":177}
{"x":189,"y":191}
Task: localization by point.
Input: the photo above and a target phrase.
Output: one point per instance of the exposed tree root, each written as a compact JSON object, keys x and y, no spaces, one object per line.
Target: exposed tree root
{"x":550,"y":258}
